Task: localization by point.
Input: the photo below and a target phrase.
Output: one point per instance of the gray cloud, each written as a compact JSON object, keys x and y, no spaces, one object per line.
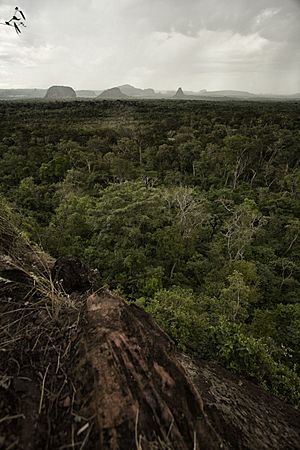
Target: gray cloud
{"x":213,"y":44}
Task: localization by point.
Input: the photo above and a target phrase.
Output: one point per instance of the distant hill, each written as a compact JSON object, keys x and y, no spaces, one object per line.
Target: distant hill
{"x":114,"y":93}
{"x":22,"y":93}
{"x":128,"y":91}
{"x":226,"y":93}
{"x":288,"y":96}
{"x":86,"y":93}
{"x":132,"y":91}
{"x":179,"y":94}
{"x":60,"y":92}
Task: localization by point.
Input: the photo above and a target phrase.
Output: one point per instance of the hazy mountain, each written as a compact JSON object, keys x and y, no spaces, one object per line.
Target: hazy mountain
{"x":180,"y":94}
{"x":22,"y":93}
{"x":113,"y":93}
{"x":166,"y":94}
{"x":288,"y":96}
{"x":127,"y":90}
{"x":202,"y":91}
{"x":86,"y":93}
{"x":132,"y":91}
{"x":226,"y":93}
{"x":60,"y":92}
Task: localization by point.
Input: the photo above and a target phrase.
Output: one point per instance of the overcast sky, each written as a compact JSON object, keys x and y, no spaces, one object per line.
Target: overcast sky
{"x":249,"y":45}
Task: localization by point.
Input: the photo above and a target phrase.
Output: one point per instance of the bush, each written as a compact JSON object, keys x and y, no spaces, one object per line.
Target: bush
{"x":252,"y":357}
{"x":176,"y":311}
{"x":183,"y":316}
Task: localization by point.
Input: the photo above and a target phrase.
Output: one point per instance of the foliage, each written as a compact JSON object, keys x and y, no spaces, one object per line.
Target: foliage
{"x":186,"y":319}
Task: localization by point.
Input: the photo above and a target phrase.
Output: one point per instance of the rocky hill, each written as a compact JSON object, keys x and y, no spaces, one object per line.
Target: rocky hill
{"x":179,"y":94}
{"x":81,"y":368}
{"x":60,"y":92}
{"x":112,"y":94}
{"x":132,"y":91}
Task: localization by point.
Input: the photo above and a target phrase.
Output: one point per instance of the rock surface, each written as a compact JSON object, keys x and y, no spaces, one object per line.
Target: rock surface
{"x":148,"y":391}
{"x":141,"y":392}
{"x":60,"y":92}
{"x":245,"y":416}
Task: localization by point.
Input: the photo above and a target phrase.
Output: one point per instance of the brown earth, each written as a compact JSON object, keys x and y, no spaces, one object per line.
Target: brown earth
{"x":89,"y":371}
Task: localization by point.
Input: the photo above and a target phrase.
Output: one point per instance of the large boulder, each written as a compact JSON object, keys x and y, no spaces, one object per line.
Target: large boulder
{"x":70,"y":274}
{"x":60,"y":92}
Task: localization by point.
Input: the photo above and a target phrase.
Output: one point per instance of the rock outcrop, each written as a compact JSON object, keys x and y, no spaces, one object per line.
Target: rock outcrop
{"x":91,"y":371}
{"x":179,"y":94}
{"x":146,"y":391}
{"x":112,"y":94}
{"x":70,"y":275}
{"x":60,"y":92}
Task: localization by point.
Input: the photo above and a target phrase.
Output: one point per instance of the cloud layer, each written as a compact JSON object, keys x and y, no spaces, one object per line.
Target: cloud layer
{"x":212,"y":44}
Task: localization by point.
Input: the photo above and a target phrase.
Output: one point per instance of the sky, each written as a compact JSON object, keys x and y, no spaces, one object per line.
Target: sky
{"x":163,"y":44}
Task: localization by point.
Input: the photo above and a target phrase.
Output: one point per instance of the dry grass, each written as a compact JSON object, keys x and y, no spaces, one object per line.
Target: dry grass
{"x":159,"y":444}
{"x":17,"y":253}
{"x":38,"y":342}
{"x":38,"y":327}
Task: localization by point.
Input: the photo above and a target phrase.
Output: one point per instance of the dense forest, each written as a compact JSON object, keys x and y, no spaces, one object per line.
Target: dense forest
{"x":188,"y":208}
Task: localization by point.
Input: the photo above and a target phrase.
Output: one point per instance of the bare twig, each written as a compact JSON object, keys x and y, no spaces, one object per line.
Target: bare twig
{"x":43,"y":389}
{"x":137,"y":438}
{"x":16,"y":416}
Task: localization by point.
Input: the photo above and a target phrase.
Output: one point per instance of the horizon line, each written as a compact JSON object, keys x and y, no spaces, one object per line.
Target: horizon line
{"x":157,"y":91}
